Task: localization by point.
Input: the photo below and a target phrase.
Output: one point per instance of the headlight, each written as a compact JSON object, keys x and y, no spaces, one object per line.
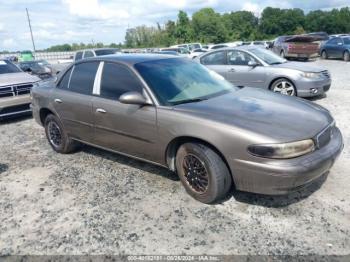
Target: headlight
{"x":284,"y":150}
{"x":311,"y":75}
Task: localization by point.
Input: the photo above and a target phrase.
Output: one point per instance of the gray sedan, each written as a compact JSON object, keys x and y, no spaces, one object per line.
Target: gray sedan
{"x":257,"y":67}
{"x":176,"y":113}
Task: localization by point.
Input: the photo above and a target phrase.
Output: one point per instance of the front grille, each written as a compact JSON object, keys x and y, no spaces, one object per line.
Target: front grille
{"x":15,"y":90}
{"x":324,"y":136}
{"x":326,"y":74}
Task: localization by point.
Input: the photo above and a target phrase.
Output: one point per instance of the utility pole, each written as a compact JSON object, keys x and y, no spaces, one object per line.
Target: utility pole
{"x":30,"y":28}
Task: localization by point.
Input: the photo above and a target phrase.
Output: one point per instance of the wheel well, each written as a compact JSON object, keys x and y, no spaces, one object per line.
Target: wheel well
{"x":174,"y":145}
{"x":44,"y":112}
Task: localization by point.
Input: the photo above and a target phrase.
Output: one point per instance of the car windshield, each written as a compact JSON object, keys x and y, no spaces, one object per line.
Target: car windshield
{"x":7,"y":67}
{"x":267,"y":56}
{"x":176,"y":81}
{"x":105,"y":52}
{"x":346,"y":40}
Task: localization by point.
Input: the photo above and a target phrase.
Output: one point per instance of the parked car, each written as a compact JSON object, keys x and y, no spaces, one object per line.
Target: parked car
{"x":197,"y":52}
{"x":257,"y":67}
{"x":26,"y":56}
{"x":176,"y":113}
{"x":189,"y":46}
{"x":337,"y":47}
{"x":95,"y":52}
{"x":36,"y":68}
{"x":15,"y":86}
{"x":180,"y":50}
{"x":299,"y":46}
{"x":223,"y":45}
{"x":166,"y":53}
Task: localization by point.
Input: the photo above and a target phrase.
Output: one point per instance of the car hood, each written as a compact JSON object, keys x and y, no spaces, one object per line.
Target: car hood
{"x":17,"y":78}
{"x":300,"y":66}
{"x":272,"y":115}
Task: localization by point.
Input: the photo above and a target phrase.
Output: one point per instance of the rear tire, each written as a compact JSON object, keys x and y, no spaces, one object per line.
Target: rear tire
{"x":57,"y":136}
{"x":346,"y":56}
{"x":203,"y":172}
{"x":324,"y":55}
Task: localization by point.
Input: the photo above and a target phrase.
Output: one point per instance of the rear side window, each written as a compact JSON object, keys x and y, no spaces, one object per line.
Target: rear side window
{"x":83,"y":77}
{"x":217,"y":58}
{"x":78,"y":56}
{"x":88,"y":54}
{"x":65,"y":80}
{"x":117,"y":80}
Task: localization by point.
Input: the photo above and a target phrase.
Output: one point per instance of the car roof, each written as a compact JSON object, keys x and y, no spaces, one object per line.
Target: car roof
{"x":130,"y":59}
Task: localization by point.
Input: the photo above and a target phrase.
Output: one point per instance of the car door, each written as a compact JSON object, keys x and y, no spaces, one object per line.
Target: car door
{"x":240,"y":73}
{"x":332,"y":47}
{"x":216,"y":61}
{"x":72,"y":100}
{"x":339,"y":48}
{"x":125,"y":128}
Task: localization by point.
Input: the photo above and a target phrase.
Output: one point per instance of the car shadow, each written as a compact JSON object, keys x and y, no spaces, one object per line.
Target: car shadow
{"x":124,"y":160}
{"x":282,"y":200}
{"x":15,"y":119}
{"x":3,"y":168}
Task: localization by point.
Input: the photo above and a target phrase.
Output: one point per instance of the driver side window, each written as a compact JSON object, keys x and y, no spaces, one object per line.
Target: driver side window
{"x":236,"y":57}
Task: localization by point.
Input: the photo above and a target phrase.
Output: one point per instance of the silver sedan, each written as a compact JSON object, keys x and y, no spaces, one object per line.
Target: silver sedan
{"x":256,"y":67}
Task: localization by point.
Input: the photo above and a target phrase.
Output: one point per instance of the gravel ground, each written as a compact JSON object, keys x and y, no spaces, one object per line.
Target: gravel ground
{"x":95,"y":202}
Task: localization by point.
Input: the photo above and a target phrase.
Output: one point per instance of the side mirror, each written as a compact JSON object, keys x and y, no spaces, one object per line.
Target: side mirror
{"x":252,"y":64}
{"x":133,"y":98}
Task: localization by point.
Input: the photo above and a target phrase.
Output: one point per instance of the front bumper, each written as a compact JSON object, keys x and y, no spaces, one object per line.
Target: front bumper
{"x":10,"y":106}
{"x":283,"y":176}
{"x":311,"y":87}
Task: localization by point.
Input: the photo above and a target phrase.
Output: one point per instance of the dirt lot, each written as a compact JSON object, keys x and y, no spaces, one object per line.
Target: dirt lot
{"x":95,"y":202}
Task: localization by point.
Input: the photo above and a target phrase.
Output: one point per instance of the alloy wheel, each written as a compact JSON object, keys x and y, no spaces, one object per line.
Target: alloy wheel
{"x":195,"y":173}
{"x":54,"y":133}
{"x":285,"y":88}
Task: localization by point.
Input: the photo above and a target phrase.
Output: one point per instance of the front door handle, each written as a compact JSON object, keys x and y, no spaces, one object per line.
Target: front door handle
{"x":58,"y":100}
{"x":232,"y":70}
{"x":101,"y":110}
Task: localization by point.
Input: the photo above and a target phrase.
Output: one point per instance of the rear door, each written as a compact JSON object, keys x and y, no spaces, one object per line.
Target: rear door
{"x":129,"y":129}
{"x":72,"y":100}
{"x":216,"y":61}
{"x":240,"y":73}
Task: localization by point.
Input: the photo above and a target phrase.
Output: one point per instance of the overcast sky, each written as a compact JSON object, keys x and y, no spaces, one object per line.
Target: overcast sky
{"x":69,"y":21}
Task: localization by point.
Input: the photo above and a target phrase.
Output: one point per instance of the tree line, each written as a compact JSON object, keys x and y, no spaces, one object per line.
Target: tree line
{"x":208,"y":26}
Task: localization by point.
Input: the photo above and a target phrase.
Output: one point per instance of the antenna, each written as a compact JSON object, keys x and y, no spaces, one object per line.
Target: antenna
{"x":30,"y":28}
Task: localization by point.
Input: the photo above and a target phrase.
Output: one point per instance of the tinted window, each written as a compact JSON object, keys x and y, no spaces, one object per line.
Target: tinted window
{"x":79,"y":56}
{"x":83,"y":77}
{"x":333,"y":41}
{"x":7,"y":67}
{"x":217,"y":58}
{"x":236,"y":57}
{"x":65,"y":80}
{"x":88,"y":54}
{"x":346,"y":41}
{"x":106,"y":52}
{"x":117,"y":80}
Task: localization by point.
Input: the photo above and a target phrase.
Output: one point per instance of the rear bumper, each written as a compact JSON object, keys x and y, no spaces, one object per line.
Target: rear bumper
{"x":284,"y":176}
{"x":16,"y":105}
{"x":310,"y":88}
{"x":295,"y":55}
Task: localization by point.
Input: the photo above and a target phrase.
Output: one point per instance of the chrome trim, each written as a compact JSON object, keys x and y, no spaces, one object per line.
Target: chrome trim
{"x":97,"y":83}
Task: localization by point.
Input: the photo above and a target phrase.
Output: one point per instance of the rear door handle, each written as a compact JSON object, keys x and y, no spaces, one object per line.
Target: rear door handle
{"x":58,"y":100}
{"x":101,"y":110}
{"x":232,"y":70}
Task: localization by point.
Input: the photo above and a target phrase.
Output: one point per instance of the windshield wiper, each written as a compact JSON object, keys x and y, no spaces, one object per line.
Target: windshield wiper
{"x":186,"y":101}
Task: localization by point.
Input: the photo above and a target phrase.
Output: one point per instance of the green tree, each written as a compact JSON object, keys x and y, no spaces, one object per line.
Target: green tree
{"x":183,"y":30}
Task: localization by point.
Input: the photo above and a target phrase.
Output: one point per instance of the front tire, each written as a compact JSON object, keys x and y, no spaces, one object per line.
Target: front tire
{"x":346,"y":56}
{"x":282,"y":54}
{"x":324,"y":55}
{"x":284,"y":87}
{"x":57,"y":137}
{"x":203,"y":172}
